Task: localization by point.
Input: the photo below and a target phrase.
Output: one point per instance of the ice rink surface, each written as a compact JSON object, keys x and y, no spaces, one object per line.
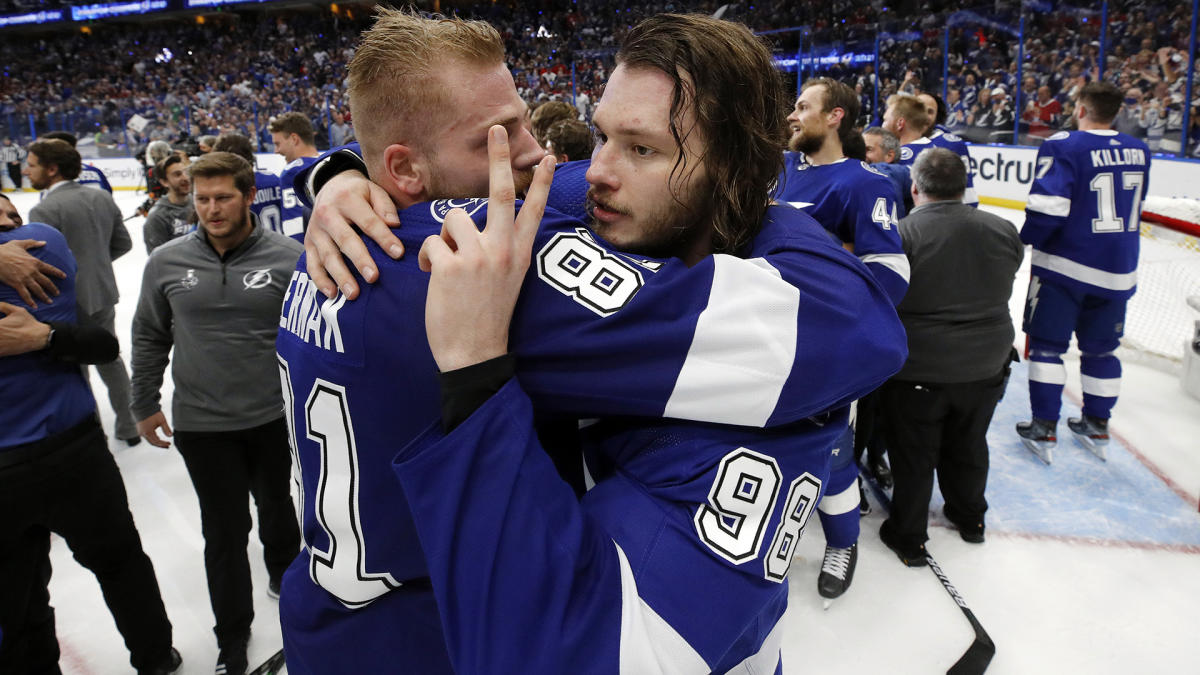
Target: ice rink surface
{"x":1089,"y":566}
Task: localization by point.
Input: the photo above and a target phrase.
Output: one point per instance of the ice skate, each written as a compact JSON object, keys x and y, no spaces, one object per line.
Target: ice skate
{"x":1039,"y":436}
{"x":837,"y":571}
{"x":1091,"y":432}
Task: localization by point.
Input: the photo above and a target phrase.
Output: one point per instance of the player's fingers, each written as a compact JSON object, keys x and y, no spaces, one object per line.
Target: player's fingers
{"x":6,"y":308}
{"x":43,"y":287}
{"x":534,"y":206}
{"x":352,"y":246}
{"x":312,"y":262}
{"x":385,"y":210}
{"x":433,"y":250}
{"x":154,"y":439}
{"x":50,"y":270}
{"x":462,"y":232}
{"x":29,"y":243}
{"x":502,"y":195}
{"x":26,"y":297}
{"x":166,"y":427}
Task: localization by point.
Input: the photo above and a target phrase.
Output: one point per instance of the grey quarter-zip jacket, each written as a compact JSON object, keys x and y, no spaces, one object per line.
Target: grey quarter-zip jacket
{"x":221,"y":314}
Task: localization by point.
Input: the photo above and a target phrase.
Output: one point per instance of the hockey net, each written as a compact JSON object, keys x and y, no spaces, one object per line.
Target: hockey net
{"x":1159,"y":322}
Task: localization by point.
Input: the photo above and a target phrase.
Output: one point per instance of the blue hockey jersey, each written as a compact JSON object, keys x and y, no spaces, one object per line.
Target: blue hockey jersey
{"x":92,"y":177}
{"x":1083,"y":212}
{"x":855,"y":203}
{"x":674,"y":562}
{"x":596,"y":333}
{"x":40,"y":396}
{"x":951,"y":142}
{"x":267,"y":201}
{"x":293,"y":213}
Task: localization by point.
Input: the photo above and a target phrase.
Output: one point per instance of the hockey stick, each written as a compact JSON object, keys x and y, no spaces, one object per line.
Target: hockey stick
{"x":975,"y":660}
{"x":271,"y":666}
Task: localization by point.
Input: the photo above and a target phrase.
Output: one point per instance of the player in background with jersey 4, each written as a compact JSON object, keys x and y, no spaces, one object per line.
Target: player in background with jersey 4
{"x":1082,"y":219}
{"x":267,"y":201}
{"x":293,"y":135}
{"x":856,"y":204}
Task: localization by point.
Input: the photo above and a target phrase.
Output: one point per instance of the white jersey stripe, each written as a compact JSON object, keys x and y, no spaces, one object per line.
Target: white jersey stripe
{"x":1107,"y":387}
{"x":1047,"y":373}
{"x":649,"y":645}
{"x":1080,"y":272}
{"x":1050,"y":205}
{"x":722,"y":380}
{"x":896,"y":262}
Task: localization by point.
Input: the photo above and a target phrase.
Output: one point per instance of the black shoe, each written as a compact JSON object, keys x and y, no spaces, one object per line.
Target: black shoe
{"x":864,"y":506}
{"x":232,"y":658}
{"x":910,"y":556}
{"x":273,"y":589}
{"x":879,"y":468}
{"x":172,"y":664}
{"x":135,"y":440}
{"x":837,"y":570}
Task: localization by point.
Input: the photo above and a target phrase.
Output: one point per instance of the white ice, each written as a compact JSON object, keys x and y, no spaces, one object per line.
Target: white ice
{"x":1087,"y":568}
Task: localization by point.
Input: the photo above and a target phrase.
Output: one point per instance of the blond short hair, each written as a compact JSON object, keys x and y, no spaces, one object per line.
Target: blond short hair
{"x":393,"y":77}
{"x":910,"y":109}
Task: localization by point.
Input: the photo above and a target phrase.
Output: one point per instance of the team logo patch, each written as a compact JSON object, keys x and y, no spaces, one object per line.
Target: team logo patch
{"x":1059,"y":136}
{"x":953,"y":138}
{"x":872,"y":169}
{"x":189,"y":280}
{"x":906,"y":153}
{"x":256,"y":279}
{"x":440,"y":207}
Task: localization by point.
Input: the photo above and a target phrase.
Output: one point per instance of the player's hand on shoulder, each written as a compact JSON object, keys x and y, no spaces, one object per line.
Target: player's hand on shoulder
{"x":476,"y":276}
{"x":349,"y":198}
{"x":20,"y":331}
{"x":28,"y":275}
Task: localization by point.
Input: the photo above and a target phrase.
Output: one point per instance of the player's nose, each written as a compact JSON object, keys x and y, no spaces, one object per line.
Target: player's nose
{"x":600,"y":172}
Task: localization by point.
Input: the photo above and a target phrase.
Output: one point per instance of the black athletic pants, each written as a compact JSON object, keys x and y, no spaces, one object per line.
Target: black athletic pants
{"x":69,"y":484}
{"x":943,"y":428}
{"x":14,"y":173}
{"x":225,"y":466}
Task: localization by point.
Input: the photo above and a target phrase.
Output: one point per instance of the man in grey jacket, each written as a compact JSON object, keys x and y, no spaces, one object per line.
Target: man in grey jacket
{"x":215,"y":295}
{"x":95,"y":231}
{"x":960,"y":340}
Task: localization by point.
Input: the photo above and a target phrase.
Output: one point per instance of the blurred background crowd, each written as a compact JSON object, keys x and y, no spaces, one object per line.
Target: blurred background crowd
{"x":1008,"y":71}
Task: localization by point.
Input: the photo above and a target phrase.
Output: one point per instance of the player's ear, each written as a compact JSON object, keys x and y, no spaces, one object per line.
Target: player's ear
{"x":405,"y":169}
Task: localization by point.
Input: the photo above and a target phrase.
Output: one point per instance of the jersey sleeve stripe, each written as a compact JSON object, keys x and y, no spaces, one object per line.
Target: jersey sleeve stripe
{"x":649,"y":645}
{"x":896,"y":262}
{"x":1080,"y":272}
{"x":1049,"y":204}
{"x":722,"y":380}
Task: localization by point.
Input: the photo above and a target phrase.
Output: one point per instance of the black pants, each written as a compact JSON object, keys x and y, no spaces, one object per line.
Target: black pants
{"x":14,"y":173}
{"x":225,"y":466}
{"x":943,"y":428}
{"x":71,"y":486}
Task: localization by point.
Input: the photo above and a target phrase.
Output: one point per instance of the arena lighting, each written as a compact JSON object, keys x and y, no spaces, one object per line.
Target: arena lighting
{"x":44,"y":16}
{"x":110,"y":9}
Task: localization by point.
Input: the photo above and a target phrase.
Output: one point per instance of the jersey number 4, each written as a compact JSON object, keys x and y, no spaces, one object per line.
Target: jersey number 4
{"x":743,"y":497}
{"x":341,"y":568}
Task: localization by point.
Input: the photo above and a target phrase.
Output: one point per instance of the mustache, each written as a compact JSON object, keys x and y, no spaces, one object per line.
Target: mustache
{"x":594,"y":200}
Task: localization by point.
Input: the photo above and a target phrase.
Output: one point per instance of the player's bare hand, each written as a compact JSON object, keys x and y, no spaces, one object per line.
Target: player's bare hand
{"x":348,"y":198}
{"x":20,"y":331}
{"x":476,"y":276}
{"x":29,"y":276}
{"x":149,"y":427}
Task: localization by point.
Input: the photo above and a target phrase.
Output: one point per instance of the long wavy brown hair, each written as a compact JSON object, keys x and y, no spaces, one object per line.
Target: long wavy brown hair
{"x":740,"y":107}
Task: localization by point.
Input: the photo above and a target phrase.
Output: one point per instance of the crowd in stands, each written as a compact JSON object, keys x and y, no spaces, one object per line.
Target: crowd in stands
{"x":235,"y":71}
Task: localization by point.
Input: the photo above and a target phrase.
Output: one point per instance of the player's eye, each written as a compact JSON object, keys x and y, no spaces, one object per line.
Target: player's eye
{"x":599,"y":137}
{"x":643,"y":151}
